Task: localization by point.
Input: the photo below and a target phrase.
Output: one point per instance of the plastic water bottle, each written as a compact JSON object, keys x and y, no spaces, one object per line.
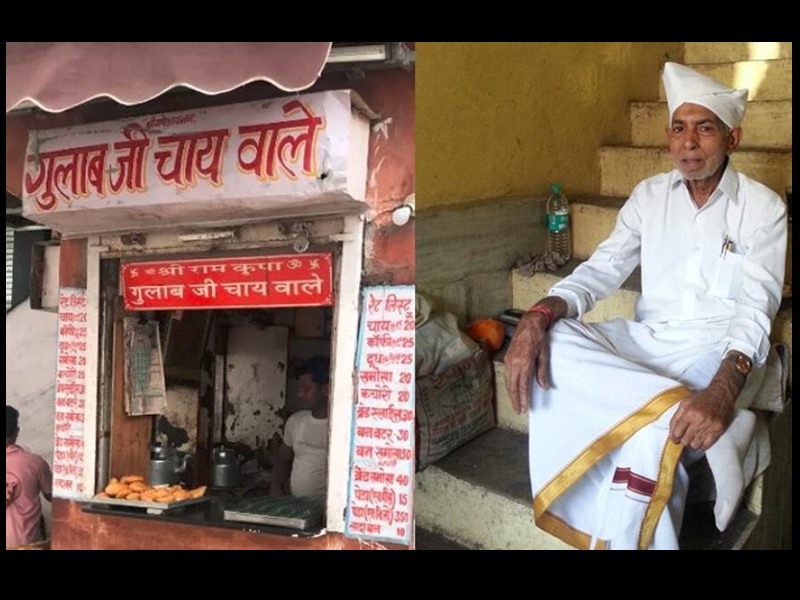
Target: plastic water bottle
{"x":558,"y":222}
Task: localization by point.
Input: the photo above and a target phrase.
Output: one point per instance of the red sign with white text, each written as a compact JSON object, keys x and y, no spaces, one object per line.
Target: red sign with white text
{"x":247,"y":282}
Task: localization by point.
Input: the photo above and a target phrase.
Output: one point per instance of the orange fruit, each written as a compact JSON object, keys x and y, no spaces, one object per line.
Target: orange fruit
{"x":488,"y":333}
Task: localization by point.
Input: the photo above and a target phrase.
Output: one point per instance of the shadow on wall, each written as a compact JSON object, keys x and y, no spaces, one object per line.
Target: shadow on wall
{"x":31,"y":347}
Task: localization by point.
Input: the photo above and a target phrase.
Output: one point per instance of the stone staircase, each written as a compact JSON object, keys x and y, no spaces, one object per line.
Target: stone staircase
{"x":479,"y":496}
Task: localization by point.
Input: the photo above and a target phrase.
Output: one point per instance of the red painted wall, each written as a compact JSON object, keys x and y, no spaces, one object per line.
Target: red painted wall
{"x":72,"y":263}
{"x":389,"y":250}
{"x":77,"y":530}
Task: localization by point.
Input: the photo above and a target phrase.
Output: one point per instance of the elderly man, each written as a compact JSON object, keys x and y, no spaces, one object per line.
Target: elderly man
{"x":614,"y":405}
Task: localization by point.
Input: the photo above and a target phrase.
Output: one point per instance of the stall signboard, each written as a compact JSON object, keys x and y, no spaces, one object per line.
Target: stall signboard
{"x":244,"y":282}
{"x":381,"y":486}
{"x":70,"y":394}
{"x":241,"y":161}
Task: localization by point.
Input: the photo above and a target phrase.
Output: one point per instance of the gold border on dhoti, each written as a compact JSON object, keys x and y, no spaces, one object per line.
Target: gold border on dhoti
{"x":612,"y":439}
{"x":662,"y":493}
{"x":558,"y":527}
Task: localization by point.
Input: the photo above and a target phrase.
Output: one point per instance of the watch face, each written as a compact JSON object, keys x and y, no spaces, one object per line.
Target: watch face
{"x":743,"y":364}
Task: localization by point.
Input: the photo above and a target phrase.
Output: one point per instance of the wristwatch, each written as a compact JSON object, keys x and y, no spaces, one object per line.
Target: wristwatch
{"x":742,"y":363}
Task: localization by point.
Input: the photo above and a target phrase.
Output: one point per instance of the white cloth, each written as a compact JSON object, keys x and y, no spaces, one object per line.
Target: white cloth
{"x":683,"y":84}
{"x":615,"y":473}
{"x":440,"y":343}
{"x":685,"y":278}
{"x":307,"y":436}
{"x":740,"y":454}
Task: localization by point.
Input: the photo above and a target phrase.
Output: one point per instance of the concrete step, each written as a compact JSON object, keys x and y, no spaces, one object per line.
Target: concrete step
{"x":506,"y":417}
{"x":767,"y":125}
{"x":622,"y":167}
{"x":593,"y":220}
{"x":427,"y":539}
{"x":526,"y":291}
{"x":721,"y":52}
{"x":766,"y":79}
{"x":480,"y":496}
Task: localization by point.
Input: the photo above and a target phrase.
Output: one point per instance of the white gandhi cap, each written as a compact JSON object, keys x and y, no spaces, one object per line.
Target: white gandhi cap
{"x":683,"y":85}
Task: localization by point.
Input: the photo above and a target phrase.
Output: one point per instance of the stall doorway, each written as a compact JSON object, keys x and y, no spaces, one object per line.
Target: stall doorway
{"x":229,"y":379}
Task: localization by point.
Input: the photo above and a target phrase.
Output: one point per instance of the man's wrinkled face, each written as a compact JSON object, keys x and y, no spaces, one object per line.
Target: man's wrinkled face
{"x":699,"y":141}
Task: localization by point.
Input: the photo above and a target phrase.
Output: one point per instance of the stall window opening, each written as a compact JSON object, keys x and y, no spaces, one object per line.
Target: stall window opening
{"x":232,"y":381}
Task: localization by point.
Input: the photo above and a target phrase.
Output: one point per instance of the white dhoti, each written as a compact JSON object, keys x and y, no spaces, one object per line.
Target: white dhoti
{"x":603,"y":470}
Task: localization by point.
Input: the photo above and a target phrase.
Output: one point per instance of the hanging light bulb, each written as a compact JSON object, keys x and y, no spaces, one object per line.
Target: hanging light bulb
{"x":402,"y":214}
{"x":300,"y":243}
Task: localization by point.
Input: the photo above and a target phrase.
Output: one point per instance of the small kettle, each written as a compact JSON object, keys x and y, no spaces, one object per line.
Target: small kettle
{"x":165,"y":465}
{"x":224,"y":467}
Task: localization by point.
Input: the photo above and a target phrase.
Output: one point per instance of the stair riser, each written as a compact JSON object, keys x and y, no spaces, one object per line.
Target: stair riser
{"x":766,"y":80}
{"x":766,"y":125}
{"x":476,"y":517}
{"x":506,"y":417}
{"x":722,"y":52}
{"x":622,"y":168}
{"x":590,"y":226}
{"x":526,"y":291}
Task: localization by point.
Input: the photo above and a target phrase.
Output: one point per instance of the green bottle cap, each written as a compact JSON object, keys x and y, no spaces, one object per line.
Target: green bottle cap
{"x":556,"y":188}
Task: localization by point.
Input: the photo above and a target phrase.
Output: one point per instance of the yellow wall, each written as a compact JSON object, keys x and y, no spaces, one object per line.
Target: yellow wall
{"x":505,"y":119}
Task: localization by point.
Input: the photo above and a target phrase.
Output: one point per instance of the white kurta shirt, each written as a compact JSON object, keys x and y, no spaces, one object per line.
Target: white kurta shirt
{"x":688,"y":278}
{"x":307,"y":436}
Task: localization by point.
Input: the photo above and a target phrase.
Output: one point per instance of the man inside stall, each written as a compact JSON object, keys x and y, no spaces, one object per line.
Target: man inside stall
{"x":301,"y":466}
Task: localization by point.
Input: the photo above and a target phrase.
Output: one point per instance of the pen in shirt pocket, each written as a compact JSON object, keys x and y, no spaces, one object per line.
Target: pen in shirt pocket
{"x":727,"y":244}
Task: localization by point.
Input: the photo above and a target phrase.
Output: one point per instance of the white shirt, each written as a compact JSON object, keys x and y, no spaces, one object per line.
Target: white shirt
{"x":307,"y":436}
{"x":687,"y":278}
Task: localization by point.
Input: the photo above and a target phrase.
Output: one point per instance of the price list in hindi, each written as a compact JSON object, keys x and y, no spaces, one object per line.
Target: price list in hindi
{"x":70,"y":394}
{"x":380,"y":501}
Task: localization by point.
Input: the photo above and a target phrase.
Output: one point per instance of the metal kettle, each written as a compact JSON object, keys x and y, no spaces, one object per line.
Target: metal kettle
{"x":224,"y":467}
{"x":165,"y":465}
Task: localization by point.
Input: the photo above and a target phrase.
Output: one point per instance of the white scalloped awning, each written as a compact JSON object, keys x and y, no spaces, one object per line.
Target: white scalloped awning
{"x":57,"y":76}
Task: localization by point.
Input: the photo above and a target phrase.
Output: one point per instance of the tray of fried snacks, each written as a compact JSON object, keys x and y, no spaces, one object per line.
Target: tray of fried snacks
{"x":133,"y":491}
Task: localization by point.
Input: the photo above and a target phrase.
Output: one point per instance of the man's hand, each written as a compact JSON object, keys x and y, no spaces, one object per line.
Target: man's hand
{"x":704,"y":416}
{"x":701,"y":419}
{"x":529,"y":349}
{"x":281,"y":470}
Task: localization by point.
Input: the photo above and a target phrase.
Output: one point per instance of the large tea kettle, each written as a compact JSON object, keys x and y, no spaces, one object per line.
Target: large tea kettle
{"x":165,"y":465}
{"x":224,"y":467}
